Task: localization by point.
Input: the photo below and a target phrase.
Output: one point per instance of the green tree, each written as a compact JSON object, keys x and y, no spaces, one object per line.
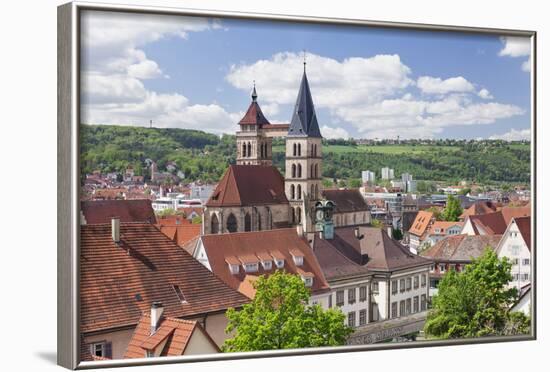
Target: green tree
{"x":355,"y":183}
{"x":327,"y":183}
{"x":452,"y":210}
{"x":196,"y":219}
{"x":476,"y":302}
{"x":167,"y":212}
{"x":396,"y":234}
{"x":376,"y":223}
{"x":279,"y":318}
{"x":436,"y":212}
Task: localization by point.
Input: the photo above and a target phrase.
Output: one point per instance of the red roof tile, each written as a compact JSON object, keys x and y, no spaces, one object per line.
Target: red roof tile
{"x":524,"y":226}
{"x":102,"y":211}
{"x":421,"y":223}
{"x":176,"y":332}
{"x":254,"y":116}
{"x":461,"y":247}
{"x":246,"y":185}
{"x":120,"y":281}
{"x":222,"y":247}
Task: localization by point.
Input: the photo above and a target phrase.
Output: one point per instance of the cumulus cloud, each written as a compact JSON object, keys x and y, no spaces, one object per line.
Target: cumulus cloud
{"x":334,"y":133}
{"x":114,"y":68}
{"x":485,"y":94}
{"x":514,"y":135}
{"x":372,"y":95}
{"x":432,"y":85}
{"x":517,"y":47}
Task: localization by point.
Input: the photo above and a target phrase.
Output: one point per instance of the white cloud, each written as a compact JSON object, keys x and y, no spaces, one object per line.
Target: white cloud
{"x":334,"y":133}
{"x":432,"y":85}
{"x":485,"y":94}
{"x":514,"y":135}
{"x":515,"y":46}
{"x":351,"y":81}
{"x":114,"y":67}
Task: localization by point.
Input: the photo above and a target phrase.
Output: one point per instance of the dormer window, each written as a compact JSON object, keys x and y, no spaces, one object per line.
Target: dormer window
{"x":234,"y":269}
{"x":280,"y":263}
{"x":267,"y":265}
{"x":251,"y":267}
{"x":298,"y":260}
{"x":233,"y":264}
{"x":308,"y":281}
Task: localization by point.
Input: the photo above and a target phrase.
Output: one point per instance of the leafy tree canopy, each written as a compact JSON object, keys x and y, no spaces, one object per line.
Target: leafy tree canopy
{"x":476,"y":302}
{"x":452,"y":210}
{"x":280,"y":318}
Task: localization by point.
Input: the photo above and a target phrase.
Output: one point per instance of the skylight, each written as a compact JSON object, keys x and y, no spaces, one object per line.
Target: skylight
{"x":179,"y":293}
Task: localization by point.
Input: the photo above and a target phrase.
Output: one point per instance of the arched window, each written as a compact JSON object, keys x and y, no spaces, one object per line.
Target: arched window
{"x":315,"y":150}
{"x":299,"y":170}
{"x":293,"y":170}
{"x":316,"y":192}
{"x":214,"y":224}
{"x":294,"y":150}
{"x":249,"y":149}
{"x":311,"y":171}
{"x":244,"y":150}
{"x":316,"y":171}
{"x":299,"y":149}
{"x":292,"y":192}
{"x":293,"y":216}
{"x":231,"y":223}
{"x":259,"y":222}
{"x":298,"y":214}
{"x":299,"y":192}
{"x":312,"y":194}
{"x":247,"y":222}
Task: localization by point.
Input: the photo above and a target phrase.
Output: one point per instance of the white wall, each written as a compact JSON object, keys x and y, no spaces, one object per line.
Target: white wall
{"x":514,"y":247}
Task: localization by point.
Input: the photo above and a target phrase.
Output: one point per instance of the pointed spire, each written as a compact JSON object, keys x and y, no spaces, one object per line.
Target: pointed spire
{"x":304,"y":120}
{"x":254,"y":94}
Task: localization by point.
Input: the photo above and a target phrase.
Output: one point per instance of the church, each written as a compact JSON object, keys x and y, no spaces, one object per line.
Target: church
{"x":254,"y":196}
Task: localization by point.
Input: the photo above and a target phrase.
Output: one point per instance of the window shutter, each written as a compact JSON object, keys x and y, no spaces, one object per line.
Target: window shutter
{"x":108,"y":350}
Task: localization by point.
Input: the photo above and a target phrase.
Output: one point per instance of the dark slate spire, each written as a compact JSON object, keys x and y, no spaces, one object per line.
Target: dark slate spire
{"x":304,"y":121}
{"x":254,"y":94}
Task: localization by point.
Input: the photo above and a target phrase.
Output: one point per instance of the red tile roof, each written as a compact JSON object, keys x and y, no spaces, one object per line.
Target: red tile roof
{"x":249,"y":185}
{"x":348,"y":200}
{"x":176,"y":332}
{"x":221,"y":248}
{"x":181,"y":234}
{"x":524,"y":226}
{"x":479,"y":208}
{"x":462,"y":248}
{"x":421,"y":223}
{"x":101,"y":211}
{"x":346,"y":256}
{"x":120,"y":281}
{"x":497,"y":222}
{"x":254,"y":116}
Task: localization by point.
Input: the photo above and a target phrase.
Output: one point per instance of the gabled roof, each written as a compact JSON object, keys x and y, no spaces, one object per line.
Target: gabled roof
{"x":174,"y":333}
{"x":442,"y":226}
{"x":249,"y":185}
{"x":497,"y":222}
{"x":461,"y":247}
{"x":224,"y":248}
{"x":524,"y":226}
{"x":349,"y":200}
{"x":304,"y":120}
{"x":482,"y":207}
{"x":181,"y":234}
{"x":101,"y":211}
{"x":346,"y":256}
{"x":118,"y":282}
{"x":421,"y":223}
{"x":254,"y":116}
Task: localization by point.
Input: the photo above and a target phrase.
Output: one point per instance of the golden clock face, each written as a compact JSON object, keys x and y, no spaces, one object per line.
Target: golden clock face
{"x":320,"y":214}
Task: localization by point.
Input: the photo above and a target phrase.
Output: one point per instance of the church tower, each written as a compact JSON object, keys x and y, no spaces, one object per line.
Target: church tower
{"x":253,"y":146}
{"x":303,"y":160}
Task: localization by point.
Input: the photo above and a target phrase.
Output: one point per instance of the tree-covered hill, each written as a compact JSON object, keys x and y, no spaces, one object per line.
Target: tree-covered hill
{"x":205,"y":156}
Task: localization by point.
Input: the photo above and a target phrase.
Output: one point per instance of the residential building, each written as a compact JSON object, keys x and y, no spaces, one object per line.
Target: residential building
{"x":419,"y":230}
{"x":240,"y":258}
{"x":439,"y":230}
{"x":372,"y":277}
{"x":478,"y":208}
{"x":523,"y":303}
{"x":454,"y":253}
{"x":156,"y":335}
{"x":516,"y":246}
{"x":387,"y":173}
{"x":368,"y":177}
{"x":124,"y":269}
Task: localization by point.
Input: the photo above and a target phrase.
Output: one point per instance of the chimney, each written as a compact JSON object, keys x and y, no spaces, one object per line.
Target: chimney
{"x":115,"y":229}
{"x":357,"y":235}
{"x":156,"y":312}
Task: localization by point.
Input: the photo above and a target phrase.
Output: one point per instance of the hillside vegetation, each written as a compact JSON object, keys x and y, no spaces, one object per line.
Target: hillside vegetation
{"x":205,"y":156}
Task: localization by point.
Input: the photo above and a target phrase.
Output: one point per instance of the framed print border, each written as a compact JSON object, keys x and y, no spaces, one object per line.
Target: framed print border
{"x":68,"y":185}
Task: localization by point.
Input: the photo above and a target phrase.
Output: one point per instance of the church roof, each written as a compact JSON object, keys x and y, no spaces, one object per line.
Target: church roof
{"x":254,"y":114}
{"x":304,"y":120}
{"x":249,"y":185}
{"x":347,"y":200}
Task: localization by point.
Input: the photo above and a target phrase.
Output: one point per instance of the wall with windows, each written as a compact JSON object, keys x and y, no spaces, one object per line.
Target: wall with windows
{"x":118,"y":341}
{"x":350,"y":298}
{"x":405,"y":287}
{"x":216,"y":220}
{"x":515,"y":249}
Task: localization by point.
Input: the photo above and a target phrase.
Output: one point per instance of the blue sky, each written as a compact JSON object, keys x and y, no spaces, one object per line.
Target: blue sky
{"x":366,"y":82}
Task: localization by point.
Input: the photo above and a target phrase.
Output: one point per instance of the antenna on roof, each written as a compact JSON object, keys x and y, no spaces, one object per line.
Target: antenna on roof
{"x":151,"y":123}
{"x":304,"y":60}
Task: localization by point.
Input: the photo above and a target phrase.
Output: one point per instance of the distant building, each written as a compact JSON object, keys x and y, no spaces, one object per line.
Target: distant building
{"x":102,"y":211}
{"x":368,"y":177}
{"x":419,"y":229}
{"x":406,"y":177}
{"x":493,"y":223}
{"x":411,"y":186}
{"x":387,"y":173}
{"x":400,"y":185}
{"x":351,"y":208}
